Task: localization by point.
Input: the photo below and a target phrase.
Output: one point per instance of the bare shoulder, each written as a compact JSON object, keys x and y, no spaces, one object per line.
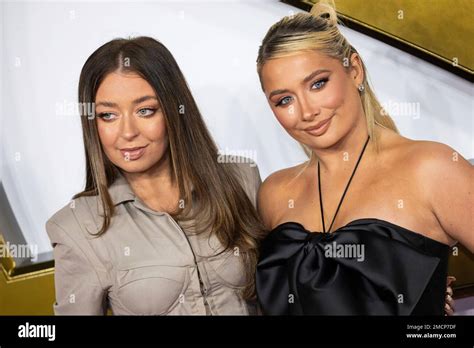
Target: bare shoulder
{"x":432,"y":159}
{"x":444,"y":179}
{"x":275,"y":189}
{"x":428,"y":164}
{"x":420,"y":156}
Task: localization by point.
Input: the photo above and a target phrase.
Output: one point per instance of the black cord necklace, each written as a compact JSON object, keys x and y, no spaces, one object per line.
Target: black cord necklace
{"x":345,"y":190}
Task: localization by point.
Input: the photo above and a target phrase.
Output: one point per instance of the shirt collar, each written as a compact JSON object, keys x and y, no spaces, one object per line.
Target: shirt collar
{"x":120,"y":191}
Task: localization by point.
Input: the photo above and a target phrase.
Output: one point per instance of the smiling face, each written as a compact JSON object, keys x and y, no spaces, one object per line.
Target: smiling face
{"x":130,"y":122}
{"x":314,"y":97}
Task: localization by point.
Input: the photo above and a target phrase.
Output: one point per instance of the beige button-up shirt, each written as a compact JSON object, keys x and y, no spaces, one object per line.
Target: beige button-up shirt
{"x":145,"y":263}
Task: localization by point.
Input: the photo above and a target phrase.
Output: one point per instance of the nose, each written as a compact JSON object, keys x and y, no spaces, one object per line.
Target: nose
{"x":129,"y":128}
{"x":309,"y":110}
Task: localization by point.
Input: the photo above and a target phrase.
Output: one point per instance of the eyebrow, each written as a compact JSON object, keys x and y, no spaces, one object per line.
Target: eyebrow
{"x":305,"y":80}
{"x":135,"y":102}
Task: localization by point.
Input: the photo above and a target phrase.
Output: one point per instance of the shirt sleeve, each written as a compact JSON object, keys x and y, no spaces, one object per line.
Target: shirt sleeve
{"x":251,"y":180}
{"x":78,"y":288}
{"x":256,"y":182}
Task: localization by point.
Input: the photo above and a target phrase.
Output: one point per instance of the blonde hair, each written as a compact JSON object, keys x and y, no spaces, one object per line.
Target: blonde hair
{"x":318,"y":31}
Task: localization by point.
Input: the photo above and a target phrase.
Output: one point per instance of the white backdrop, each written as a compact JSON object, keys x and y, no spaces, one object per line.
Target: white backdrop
{"x":45,"y":45}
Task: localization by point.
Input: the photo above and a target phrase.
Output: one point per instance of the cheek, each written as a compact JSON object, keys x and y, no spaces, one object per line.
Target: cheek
{"x":155,"y":130}
{"x":333,"y":100}
{"x":334,"y":96}
{"x":108,"y":134}
{"x":288,"y":117}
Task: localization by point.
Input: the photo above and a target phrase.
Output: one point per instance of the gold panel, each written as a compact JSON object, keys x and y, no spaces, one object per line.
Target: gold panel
{"x":461,"y":265}
{"x":31,"y":293}
{"x":442,"y":28}
{"x":439,"y":31}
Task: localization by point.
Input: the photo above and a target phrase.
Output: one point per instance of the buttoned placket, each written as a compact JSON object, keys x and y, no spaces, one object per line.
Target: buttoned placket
{"x":203,"y":289}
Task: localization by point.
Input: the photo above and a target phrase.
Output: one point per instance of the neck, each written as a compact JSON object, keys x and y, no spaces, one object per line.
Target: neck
{"x":344,"y":154}
{"x":156,"y":179}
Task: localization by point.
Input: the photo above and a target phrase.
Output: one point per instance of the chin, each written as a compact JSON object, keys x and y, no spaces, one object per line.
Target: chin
{"x":324,"y":141}
{"x":137,"y":166}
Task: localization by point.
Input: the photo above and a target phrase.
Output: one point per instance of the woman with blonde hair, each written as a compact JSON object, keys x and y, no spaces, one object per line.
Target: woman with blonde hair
{"x":364,"y":227}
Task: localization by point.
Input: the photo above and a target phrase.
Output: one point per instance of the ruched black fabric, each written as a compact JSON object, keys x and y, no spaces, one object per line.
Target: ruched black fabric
{"x":402,"y":272}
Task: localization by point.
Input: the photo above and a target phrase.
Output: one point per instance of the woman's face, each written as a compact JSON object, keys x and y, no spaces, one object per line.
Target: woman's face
{"x":130,"y":122}
{"x":314,"y":97}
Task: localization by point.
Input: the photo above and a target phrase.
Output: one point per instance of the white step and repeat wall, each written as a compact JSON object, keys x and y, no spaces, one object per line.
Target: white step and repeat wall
{"x":45,"y":45}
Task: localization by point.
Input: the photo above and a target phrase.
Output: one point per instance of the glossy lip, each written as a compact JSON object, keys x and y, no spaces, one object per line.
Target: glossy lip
{"x":319,"y":128}
{"x":133,"y":153}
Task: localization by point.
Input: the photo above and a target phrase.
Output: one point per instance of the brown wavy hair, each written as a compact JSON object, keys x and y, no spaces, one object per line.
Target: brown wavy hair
{"x":214,"y":199}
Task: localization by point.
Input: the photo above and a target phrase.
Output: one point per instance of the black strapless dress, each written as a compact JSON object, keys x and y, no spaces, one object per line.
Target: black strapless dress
{"x":367,"y":267}
{"x":402,"y":273}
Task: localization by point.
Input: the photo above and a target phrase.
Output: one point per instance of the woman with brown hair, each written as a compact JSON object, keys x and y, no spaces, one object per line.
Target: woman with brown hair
{"x":162,"y":226}
{"x":388,"y":208}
